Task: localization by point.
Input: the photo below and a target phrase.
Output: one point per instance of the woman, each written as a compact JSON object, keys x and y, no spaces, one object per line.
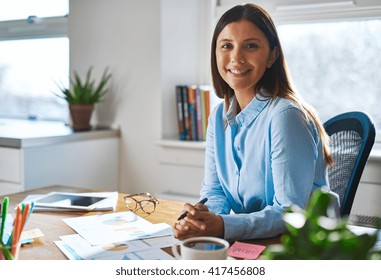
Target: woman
{"x":265,"y":148}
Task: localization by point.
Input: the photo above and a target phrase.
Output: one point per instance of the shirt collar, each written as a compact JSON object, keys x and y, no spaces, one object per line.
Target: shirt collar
{"x":249,"y":113}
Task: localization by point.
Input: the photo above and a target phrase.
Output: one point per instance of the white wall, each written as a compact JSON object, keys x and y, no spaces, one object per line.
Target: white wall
{"x":124,"y":36}
{"x":148,"y":46}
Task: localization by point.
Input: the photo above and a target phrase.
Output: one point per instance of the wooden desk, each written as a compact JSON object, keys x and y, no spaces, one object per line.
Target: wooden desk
{"x":51,"y":224}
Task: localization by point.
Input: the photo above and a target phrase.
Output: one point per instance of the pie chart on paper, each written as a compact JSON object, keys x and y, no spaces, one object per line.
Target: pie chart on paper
{"x":117,"y":221}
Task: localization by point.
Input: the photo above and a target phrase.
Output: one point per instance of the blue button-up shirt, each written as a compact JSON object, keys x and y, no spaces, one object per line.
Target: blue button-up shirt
{"x":259,"y":162}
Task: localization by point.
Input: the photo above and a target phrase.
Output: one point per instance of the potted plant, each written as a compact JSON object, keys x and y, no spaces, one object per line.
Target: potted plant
{"x":312,"y":235}
{"x":81,"y":97}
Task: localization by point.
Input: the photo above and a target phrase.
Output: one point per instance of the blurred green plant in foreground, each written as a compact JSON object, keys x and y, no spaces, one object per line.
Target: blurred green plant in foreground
{"x":312,"y":235}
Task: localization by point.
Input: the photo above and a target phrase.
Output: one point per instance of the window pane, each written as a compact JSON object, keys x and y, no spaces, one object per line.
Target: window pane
{"x":29,"y":73}
{"x":336,"y":66}
{"x":21,"y":9}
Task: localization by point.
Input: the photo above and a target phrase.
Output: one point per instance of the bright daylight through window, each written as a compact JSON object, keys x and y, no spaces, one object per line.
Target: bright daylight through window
{"x":336,"y":65}
{"x":33,"y":62}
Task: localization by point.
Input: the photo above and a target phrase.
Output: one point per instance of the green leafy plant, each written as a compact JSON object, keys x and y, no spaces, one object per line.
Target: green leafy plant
{"x":85,"y":92}
{"x":313,"y":235}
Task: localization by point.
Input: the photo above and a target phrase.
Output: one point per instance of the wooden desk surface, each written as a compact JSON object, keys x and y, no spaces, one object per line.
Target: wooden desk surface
{"x":52,"y":226}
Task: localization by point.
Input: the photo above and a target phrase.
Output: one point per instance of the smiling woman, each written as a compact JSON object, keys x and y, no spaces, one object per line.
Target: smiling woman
{"x":265,"y":147}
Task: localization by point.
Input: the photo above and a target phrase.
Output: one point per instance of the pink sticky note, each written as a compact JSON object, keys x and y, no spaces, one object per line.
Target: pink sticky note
{"x":245,"y":250}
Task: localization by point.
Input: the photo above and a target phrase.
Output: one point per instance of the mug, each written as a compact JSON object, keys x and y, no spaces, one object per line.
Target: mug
{"x":202,"y":248}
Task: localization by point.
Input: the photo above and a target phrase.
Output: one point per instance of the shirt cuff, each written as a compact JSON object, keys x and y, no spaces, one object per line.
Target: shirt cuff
{"x":234,"y":228}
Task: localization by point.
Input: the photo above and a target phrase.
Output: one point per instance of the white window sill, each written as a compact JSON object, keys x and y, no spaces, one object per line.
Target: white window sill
{"x":172,"y":143}
{"x":375,"y":154}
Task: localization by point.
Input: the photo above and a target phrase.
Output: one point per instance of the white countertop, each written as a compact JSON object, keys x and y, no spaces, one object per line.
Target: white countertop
{"x":15,"y":133}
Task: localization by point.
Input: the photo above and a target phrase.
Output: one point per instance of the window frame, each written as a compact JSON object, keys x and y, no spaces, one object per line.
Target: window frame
{"x":297,"y":11}
{"x":34,"y":28}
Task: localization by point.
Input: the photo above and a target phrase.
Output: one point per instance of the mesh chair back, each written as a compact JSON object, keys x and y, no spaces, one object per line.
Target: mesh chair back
{"x":352,"y":137}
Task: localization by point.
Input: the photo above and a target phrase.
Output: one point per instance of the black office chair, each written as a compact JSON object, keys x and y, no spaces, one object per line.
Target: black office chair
{"x":352,"y":137}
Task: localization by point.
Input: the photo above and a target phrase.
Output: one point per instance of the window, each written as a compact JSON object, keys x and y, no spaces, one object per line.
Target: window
{"x":335,"y":65}
{"x":34,"y":57}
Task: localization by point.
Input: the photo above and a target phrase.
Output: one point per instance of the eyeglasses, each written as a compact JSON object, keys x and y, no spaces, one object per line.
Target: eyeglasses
{"x":147,"y":204}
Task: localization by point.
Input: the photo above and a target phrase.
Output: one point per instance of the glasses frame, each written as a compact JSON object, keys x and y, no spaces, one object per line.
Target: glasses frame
{"x":139,"y":202}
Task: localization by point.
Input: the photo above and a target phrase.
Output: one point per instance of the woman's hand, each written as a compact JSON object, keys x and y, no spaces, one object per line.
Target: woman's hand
{"x":198,"y":222}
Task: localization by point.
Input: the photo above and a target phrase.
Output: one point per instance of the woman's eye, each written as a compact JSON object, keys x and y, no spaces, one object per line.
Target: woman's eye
{"x":226,"y":46}
{"x":251,"y":46}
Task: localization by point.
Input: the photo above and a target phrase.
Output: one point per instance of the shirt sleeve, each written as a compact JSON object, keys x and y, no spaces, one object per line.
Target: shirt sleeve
{"x":293,"y":154}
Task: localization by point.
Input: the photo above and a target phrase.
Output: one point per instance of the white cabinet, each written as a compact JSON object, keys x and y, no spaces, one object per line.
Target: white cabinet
{"x":85,"y":159}
{"x":10,"y":163}
{"x":10,"y":170}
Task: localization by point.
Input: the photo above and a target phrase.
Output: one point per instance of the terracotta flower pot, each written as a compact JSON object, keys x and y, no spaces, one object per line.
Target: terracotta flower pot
{"x":80,"y":116}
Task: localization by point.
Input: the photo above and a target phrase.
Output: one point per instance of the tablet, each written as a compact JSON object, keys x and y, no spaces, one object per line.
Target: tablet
{"x":78,"y":201}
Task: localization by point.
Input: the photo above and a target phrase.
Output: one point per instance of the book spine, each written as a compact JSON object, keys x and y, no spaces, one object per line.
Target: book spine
{"x":200,"y":133}
{"x":187,"y":130}
{"x":203,"y":113}
{"x":180,"y":113}
{"x":207,"y":110}
{"x":192,"y":112}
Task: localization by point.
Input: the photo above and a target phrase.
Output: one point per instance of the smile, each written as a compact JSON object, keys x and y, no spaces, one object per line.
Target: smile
{"x":238,"y":72}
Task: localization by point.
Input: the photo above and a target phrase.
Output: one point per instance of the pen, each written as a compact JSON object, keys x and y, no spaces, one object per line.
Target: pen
{"x":3,"y":216}
{"x":202,"y":201}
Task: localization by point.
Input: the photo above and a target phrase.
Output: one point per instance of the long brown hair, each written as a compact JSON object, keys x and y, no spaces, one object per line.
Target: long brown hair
{"x":276,"y":81}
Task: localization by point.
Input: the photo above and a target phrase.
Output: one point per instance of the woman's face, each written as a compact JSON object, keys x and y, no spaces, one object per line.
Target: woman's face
{"x":243,"y":54}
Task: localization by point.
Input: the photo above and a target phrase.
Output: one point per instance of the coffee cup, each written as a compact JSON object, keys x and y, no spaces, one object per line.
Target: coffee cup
{"x":201,"y":248}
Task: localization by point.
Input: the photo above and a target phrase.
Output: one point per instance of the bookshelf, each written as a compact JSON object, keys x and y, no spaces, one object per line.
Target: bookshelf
{"x":185,"y":54}
{"x":177,"y":144}
{"x":184,"y":61}
{"x":187,"y":145}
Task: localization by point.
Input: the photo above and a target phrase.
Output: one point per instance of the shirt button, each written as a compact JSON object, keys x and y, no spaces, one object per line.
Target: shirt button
{"x":237,"y":148}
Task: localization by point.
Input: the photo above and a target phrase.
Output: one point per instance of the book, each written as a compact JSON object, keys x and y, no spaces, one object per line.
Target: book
{"x":180,"y":113}
{"x":193,"y":109}
{"x":192,"y":112}
{"x":187,"y":131}
{"x":203,"y":106}
{"x":200,"y":133}
{"x":207,"y":111}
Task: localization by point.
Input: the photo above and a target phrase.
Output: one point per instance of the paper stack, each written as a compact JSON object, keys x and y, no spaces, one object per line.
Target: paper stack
{"x":116,"y":236}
